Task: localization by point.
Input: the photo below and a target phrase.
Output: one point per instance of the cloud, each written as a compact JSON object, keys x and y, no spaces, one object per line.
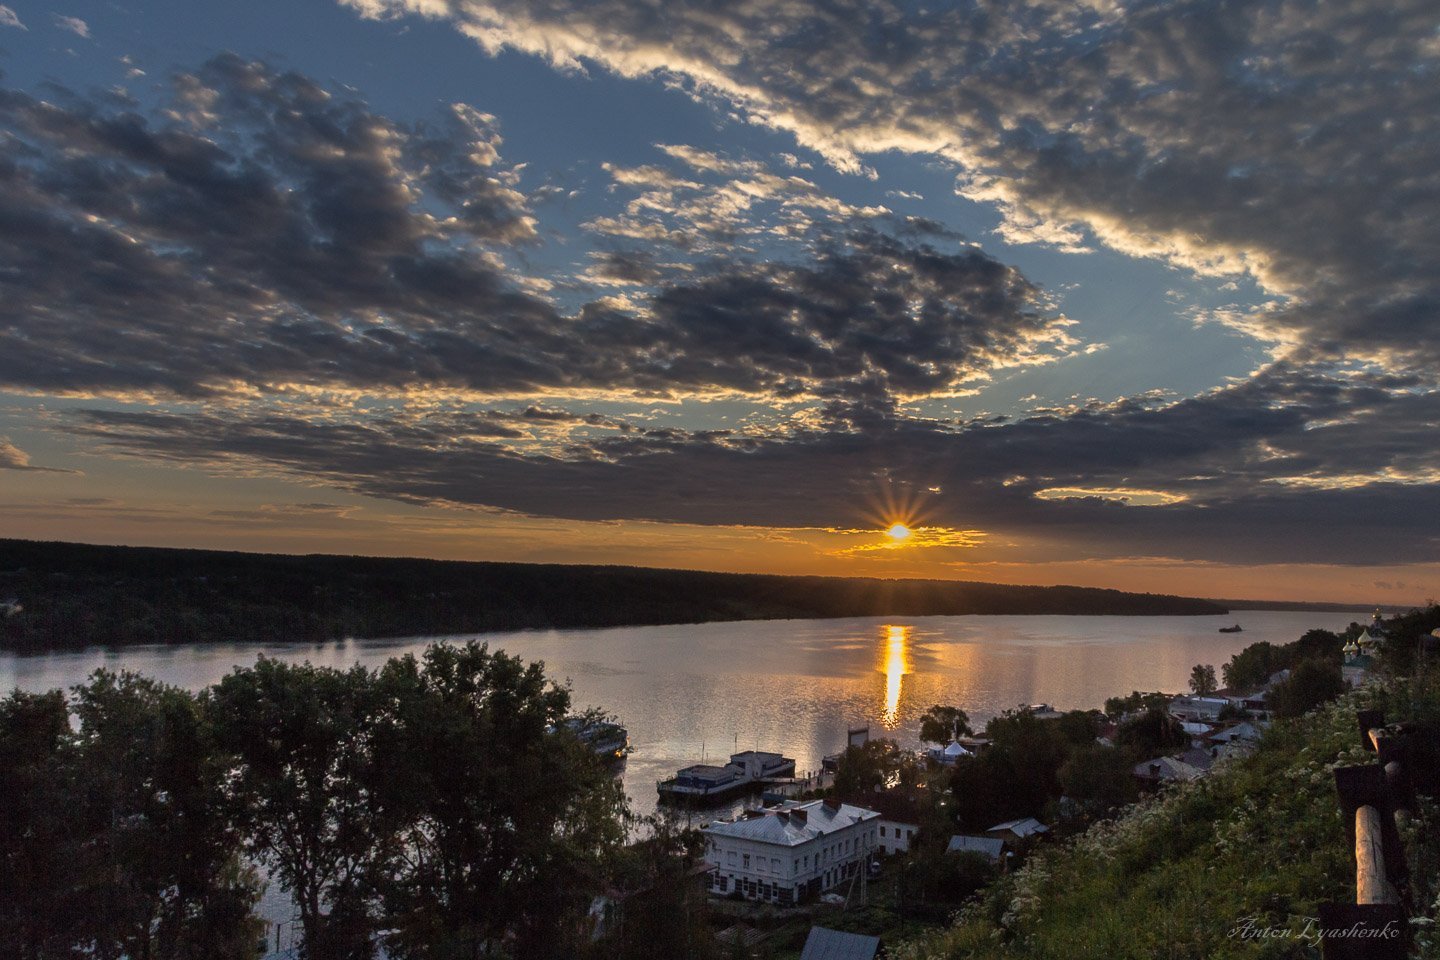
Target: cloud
{"x":13,"y":458}
{"x":719,"y":203}
{"x":8,"y":18}
{"x":73,"y":24}
{"x":1214,"y":458}
{"x":1293,"y":142}
{"x":267,"y":236}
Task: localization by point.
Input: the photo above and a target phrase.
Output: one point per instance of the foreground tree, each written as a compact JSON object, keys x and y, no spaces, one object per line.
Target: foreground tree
{"x":1202,"y":680}
{"x":658,"y":907}
{"x":116,"y":839}
{"x":39,"y":915}
{"x":507,"y":821}
{"x":300,"y":738}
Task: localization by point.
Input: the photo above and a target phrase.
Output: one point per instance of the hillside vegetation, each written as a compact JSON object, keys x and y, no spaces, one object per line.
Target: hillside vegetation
{"x":1255,"y":846}
{"x":78,"y":594}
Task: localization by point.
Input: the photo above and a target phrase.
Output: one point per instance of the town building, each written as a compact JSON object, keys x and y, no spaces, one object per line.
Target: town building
{"x":826,"y":944}
{"x":1165,"y":770}
{"x":791,"y":853}
{"x":1015,"y":831}
{"x":899,"y":821}
{"x":991,"y":848}
{"x":1198,"y":709}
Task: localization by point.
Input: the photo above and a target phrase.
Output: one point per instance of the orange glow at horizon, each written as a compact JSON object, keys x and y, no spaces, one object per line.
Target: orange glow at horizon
{"x":895,"y":665}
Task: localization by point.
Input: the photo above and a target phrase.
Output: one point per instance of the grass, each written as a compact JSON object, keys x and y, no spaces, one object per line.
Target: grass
{"x":1260,"y":840}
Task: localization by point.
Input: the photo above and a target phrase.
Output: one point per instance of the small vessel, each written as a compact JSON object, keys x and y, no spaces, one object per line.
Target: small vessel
{"x":1235,"y":629}
{"x":746,"y":771}
{"x":610,"y":741}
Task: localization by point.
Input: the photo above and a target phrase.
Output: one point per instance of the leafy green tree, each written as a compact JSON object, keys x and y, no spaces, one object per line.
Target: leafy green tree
{"x":942,"y":724}
{"x":301,"y":740}
{"x":869,"y":766}
{"x":1018,"y":774}
{"x":1202,"y":680}
{"x":1117,"y":708}
{"x":1310,"y":684}
{"x":659,"y":904}
{"x":1098,"y":778}
{"x":162,"y":863}
{"x":40,"y":910}
{"x":1253,"y":666}
{"x":508,"y":826}
{"x":1152,"y":733}
{"x":116,"y":840}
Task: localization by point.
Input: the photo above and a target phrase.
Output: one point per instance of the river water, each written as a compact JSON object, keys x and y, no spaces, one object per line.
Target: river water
{"x":702,"y":691}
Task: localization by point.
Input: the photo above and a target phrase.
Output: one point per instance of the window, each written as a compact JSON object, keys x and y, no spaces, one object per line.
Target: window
{"x":730,"y":858}
{"x":882,"y":831}
{"x":746,"y":859}
{"x":774,"y":865}
{"x":796,"y":868}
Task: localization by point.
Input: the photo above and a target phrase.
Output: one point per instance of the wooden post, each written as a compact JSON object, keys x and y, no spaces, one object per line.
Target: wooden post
{"x":1371,"y":883}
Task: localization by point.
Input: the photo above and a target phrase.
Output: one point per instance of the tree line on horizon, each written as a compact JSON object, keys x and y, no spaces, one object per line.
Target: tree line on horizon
{"x":74,"y":595}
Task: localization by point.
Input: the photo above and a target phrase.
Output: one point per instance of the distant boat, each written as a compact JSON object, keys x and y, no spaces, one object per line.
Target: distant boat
{"x":1235,"y":629}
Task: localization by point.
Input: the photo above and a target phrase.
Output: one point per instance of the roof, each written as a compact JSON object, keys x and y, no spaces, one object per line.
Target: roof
{"x":706,"y":770}
{"x":1244,"y":730}
{"x":1198,"y":757}
{"x":826,"y":944}
{"x":1021,"y":828}
{"x":1168,"y":768}
{"x":781,"y":826}
{"x":992,"y":848}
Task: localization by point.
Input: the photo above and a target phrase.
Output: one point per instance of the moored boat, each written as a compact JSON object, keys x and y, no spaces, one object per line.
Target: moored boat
{"x":746,"y":771}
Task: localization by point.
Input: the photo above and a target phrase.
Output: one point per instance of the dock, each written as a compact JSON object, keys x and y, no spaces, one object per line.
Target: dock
{"x":747,"y":771}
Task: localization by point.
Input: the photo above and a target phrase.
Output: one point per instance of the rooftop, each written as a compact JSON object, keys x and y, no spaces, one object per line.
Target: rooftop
{"x":826,"y":944}
{"x":794,"y":824}
{"x":992,"y":848}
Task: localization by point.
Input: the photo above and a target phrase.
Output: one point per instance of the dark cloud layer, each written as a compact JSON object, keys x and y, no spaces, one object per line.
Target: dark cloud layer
{"x":1257,"y":464}
{"x":1293,"y":140}
{"x":269,"y":233}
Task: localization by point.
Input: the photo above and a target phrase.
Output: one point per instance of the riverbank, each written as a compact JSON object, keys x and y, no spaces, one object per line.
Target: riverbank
{"x":72,"y":595}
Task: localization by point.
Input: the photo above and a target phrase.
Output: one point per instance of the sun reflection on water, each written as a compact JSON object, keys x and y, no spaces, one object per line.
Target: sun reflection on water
{"x":895,"y":665}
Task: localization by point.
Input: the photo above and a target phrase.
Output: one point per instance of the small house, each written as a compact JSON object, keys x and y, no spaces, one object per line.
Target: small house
{"x":1015,"y":831}
{"x":991,"y":848}
{"x":826,"y":944}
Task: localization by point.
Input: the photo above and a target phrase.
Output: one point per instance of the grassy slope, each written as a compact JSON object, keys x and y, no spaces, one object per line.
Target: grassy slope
{"x":1260,"y":837}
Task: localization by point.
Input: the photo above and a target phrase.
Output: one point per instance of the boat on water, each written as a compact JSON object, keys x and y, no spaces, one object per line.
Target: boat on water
{"x":1235,"y":629}
{"x":609,"y":740}
{"x":747,"y":771}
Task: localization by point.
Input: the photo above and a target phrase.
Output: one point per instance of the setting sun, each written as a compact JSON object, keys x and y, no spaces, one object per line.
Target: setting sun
{"x":898,"y":532}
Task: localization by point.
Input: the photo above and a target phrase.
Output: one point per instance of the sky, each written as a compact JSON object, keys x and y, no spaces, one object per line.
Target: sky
{"x":1136,"y":295}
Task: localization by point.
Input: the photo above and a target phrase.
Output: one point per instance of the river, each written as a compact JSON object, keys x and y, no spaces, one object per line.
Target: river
{"x":697,"y":691}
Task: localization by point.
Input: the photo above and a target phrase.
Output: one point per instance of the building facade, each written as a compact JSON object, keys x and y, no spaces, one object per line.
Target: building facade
{"x":791,"y":853}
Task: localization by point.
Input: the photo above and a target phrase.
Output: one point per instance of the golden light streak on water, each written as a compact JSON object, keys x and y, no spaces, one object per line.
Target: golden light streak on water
{"x":895,"y":665}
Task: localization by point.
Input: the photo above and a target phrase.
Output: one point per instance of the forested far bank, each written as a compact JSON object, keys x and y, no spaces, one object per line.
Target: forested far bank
{"x":75,"y":595}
